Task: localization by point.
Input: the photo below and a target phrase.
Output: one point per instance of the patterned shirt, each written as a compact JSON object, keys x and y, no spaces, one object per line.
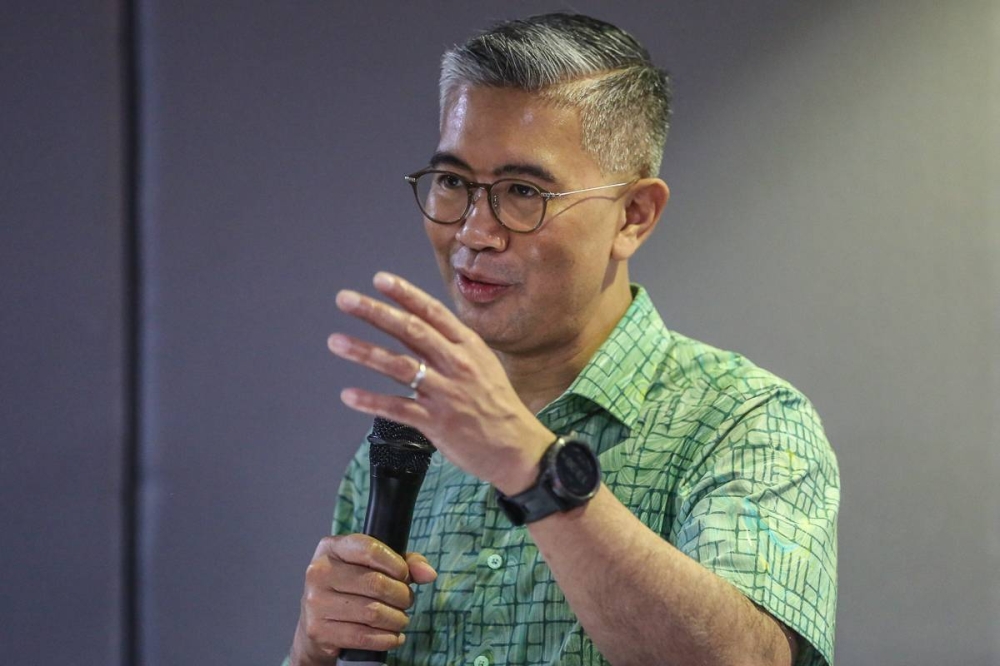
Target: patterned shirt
{"x":722,"y":459}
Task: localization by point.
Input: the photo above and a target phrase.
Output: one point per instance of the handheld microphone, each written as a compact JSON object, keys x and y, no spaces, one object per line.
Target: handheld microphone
{"x":399,"y":456}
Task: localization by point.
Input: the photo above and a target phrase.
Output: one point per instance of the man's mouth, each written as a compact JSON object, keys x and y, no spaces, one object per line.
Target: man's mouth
{"x":479,"y":289}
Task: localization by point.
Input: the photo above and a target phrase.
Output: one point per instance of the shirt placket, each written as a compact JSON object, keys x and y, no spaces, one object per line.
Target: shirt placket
{"x":492,"y":595}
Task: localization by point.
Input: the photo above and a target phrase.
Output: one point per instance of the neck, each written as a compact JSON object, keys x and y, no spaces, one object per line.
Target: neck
{"x":541,"y":376}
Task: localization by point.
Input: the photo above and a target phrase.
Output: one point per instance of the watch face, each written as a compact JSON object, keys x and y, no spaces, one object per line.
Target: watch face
{"x":577,"y":470}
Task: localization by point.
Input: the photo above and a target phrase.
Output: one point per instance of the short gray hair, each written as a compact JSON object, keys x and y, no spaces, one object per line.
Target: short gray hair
{"x":582,"y":63}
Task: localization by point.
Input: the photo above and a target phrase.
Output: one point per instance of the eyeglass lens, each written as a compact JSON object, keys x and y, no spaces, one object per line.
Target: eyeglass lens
{"x":445,"y":197}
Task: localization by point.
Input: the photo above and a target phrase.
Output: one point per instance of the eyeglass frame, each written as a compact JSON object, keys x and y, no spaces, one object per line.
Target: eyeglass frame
{"x":472,"y":186}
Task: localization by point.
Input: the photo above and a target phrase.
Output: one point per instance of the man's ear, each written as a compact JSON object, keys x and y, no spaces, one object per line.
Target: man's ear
{"x":646,"y":202}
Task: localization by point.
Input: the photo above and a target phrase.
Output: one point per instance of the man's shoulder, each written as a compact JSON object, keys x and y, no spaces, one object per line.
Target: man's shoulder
{"x":697,"y":366}
{"x":673,"y":370}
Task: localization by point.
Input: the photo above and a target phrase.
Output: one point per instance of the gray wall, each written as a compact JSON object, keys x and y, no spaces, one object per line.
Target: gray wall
{"x":63,"y":320}
{"x":835,"y":216}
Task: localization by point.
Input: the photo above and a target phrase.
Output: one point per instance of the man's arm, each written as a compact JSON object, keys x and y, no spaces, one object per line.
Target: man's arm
{"x":642,"y":601}
{"x":756,"y":524}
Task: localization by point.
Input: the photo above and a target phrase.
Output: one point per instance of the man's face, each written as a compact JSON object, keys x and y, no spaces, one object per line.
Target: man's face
{"x":527,"y":293}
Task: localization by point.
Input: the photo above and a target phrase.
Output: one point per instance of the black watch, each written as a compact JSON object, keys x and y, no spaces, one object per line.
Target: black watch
{"x":570,"y":475}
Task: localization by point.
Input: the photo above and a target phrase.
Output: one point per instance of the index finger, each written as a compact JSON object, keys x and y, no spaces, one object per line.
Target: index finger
{"x":365,"y":551}
{"x":418,"y":302}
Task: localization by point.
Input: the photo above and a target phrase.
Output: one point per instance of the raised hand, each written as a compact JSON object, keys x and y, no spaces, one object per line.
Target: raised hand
{"x":463,"y":401}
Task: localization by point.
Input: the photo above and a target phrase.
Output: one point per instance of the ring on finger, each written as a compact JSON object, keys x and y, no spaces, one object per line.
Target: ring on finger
{"x":419,"y":377}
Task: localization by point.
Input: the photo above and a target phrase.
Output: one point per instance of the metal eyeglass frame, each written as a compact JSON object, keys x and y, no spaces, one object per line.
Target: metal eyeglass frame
{"x":472,"y":187}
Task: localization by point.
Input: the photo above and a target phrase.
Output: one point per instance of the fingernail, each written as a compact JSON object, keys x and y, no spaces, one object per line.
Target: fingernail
{"x":349,"y":397}
{"x":383,"y":279}
{"x":347,"y":298}
{"x":337,"y":343}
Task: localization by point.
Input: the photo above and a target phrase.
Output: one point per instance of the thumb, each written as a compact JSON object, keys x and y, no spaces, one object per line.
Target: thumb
{"x":421,"y":571}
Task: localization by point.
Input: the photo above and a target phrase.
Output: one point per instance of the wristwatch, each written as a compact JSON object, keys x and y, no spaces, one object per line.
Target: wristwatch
{"x":569,"y":476}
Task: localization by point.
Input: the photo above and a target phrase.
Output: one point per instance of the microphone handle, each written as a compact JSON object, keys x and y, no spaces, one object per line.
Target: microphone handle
{"x":391,"y":498}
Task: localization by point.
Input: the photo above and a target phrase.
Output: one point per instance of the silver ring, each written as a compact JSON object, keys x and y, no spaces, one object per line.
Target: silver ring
{"x":419,"y":377}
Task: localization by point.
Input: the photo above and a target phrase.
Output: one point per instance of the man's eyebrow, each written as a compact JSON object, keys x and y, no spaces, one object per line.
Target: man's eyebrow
{"x":447,"y":159}
{"x":439,"y":159}
{"x":525,"y":170}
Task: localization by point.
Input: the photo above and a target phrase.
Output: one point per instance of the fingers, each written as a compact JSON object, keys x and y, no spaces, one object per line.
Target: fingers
{"x":358,"y":565}
{"x":425,"y":325}
{"x":363,"y":550}
{"x":394,"y":408}
{"x":421,"y":571}
{"x":352,"y":580}
{"x":355,"y":595}
{"x":362,"y":611}
{"x":416,"y":334}
{"x":400,"y":367}
{"x":323,"y":638}
{"x":421,"y":304}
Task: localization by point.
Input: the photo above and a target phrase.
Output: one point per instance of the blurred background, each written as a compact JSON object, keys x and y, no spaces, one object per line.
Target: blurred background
{"x":186,"y":184}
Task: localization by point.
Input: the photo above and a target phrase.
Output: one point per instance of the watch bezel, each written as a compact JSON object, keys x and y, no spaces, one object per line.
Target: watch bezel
{"x":559,"y":454}
{"x":549,"y":494}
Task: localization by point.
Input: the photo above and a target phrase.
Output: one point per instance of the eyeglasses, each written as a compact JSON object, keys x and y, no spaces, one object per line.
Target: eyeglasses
{"x":518,"y":205}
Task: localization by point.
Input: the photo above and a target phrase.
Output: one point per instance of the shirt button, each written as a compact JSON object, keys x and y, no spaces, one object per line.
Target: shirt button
{"x":481,"y":661}
{"x":494,"y":561}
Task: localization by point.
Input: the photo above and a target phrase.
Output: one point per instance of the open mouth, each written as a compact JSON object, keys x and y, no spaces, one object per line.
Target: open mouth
{"x":477,"y":291}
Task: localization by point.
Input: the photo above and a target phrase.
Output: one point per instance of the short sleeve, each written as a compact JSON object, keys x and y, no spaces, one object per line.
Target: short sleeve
{"x":760,"y":511}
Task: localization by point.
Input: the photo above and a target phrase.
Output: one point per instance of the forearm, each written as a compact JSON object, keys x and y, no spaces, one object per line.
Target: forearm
{"x":643,"y":601}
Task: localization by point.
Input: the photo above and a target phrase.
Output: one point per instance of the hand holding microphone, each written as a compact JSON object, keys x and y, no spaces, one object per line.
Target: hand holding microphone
{"x":357,"y":586}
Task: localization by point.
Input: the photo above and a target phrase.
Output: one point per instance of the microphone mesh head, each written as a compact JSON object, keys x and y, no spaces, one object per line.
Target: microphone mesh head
{"x":399,"y":447}
{"x":393,"y":431}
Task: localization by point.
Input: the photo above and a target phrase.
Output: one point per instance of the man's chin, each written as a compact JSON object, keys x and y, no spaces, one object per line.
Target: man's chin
{"x":493,"y":327}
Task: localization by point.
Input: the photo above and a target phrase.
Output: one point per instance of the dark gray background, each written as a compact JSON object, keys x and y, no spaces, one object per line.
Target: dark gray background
{"x":835,"y":216}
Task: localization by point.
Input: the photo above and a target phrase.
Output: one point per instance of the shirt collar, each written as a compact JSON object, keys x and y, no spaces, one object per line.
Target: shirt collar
{"x":618,"y":376}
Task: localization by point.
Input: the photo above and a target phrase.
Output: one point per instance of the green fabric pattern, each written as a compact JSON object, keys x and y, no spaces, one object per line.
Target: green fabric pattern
{"x":721,"y":458}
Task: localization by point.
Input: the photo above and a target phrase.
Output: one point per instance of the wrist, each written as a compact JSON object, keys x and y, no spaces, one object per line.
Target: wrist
{"x":568,"y":476}
{"x":520,"y":471}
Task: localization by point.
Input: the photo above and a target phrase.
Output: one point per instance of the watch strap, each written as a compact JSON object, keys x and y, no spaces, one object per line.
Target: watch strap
{"x":533,"y":504}
{"x":540,"y":500}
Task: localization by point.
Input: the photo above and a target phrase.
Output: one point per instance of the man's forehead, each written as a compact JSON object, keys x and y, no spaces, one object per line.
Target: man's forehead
{"x":508,"y":132}
{"x":467,"y":101}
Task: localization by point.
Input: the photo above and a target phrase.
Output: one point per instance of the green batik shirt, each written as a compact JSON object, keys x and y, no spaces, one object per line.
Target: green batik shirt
{"x":720,"y":458}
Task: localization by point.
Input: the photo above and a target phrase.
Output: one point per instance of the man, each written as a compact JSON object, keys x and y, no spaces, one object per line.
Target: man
{"x":707,"y":537}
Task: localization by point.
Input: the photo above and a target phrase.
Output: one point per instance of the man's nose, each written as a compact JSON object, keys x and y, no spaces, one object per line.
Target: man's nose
{"x":481,"y":230}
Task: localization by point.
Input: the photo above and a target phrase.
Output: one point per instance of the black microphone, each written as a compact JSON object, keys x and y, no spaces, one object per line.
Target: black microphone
{"x":399,"y":457}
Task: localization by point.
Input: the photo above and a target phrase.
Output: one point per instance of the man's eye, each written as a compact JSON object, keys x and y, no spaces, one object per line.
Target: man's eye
{"x":449,"y":181}
{"x":522,"y":190}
